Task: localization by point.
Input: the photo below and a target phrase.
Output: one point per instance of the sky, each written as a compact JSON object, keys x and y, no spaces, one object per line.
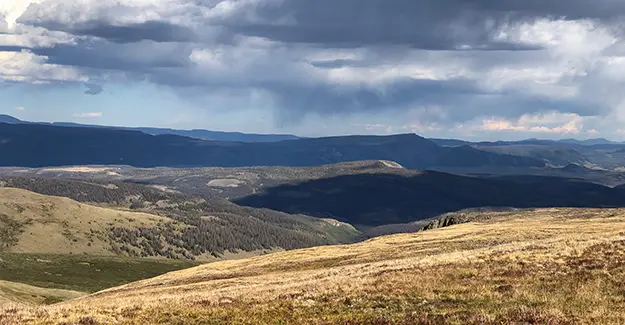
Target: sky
{"x":469,"y":69}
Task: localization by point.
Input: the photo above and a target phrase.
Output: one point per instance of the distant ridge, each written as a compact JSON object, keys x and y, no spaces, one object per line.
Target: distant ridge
{"x":195,"y":133}
{"x":38,"y":145}
{"x":586,"y":142}
{"x":589,"y":142}
{"x":9,"y":119}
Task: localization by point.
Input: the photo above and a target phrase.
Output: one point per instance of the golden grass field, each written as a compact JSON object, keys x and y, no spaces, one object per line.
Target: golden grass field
{"x":545,"y":266}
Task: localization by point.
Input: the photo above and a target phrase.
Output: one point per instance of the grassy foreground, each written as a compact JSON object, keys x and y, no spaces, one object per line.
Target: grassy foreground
{"x":547,"y":266}
{"x":82,"y":272}
{"x":11,"y":292}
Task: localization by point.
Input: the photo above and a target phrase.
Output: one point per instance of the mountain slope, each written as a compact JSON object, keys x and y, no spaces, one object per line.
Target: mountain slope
{"x":551,"y":266}
{"x":555,"y":155}
{"x":8,"y":119}
{"x":392,"y":198}
{"x":32,"y":145}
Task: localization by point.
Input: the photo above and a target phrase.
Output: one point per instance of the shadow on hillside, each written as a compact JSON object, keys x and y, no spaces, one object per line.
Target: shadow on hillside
{"x":379,"y":199}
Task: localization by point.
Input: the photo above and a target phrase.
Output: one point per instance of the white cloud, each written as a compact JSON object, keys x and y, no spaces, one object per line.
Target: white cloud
{"x":553,"y":122}
{"x":20,"y":108}
{"x":35,"y":37}
{"x":376,"y":128}
{"x":582,"y":38}
{"x":571,"y":51}
{"x":89,"y":115}
{"x":13,"y":9}
{"x":117,"y":12}
{"x":25,"y":66}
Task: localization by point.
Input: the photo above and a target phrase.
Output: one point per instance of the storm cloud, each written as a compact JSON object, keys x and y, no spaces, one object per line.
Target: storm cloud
{"x":470,"y":61}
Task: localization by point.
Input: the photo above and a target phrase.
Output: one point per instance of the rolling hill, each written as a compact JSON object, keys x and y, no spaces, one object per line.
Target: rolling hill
{"x":183,"y":229}
{"x":545,"y":266}
{"x":33,"y":223}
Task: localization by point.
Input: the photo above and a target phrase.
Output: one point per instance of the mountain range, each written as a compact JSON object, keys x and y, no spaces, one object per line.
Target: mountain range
{"x":30,"y":144}
{"x":36,"y":145}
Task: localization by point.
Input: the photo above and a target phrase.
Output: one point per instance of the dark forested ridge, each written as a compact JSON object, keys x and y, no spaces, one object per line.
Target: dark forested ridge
{"x":382,"y":199}
{"x":90,"y":191}
{"x":34,"y":145}
{"x":218,"y":226}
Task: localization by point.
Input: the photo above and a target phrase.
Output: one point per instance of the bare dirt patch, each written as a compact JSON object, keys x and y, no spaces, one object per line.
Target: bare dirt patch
{"x":225,"y":182}
{"x":81,"y":169}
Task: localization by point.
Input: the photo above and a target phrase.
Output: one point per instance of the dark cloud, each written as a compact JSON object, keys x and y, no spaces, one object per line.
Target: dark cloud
{"x":354,"y":23}
{"x":327,"y":99}
{"x":133,"y":58}
{"x":569,"y":9}
{"x":459,"y":101}
{"x":427,"y":24}
{"x":93,"y":89}
{"x":156,"y":31}
{"x":12,"y":48}
{"x":339,"y":63}
{"x":151,"y":30}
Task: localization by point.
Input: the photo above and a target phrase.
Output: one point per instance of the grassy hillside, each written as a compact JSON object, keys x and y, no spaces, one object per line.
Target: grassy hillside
{"x":547,"y":266}
{"x":45,"y":224}
{"x":51,"y":278}
{"x":83,"y":273}
{"x":175,"y":228}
